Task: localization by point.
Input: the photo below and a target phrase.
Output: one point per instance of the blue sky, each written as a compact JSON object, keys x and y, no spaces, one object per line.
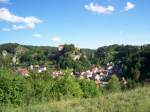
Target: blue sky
{"x":85,"y":23}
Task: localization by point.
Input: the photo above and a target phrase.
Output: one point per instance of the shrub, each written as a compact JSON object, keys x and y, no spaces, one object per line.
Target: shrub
{"x":13,"y":89}
{"x":89,"y":88}
{"x":52,"y":92}
{"x":38,"y":89}
{"x":67,"y":86}
{"x":132,"y":84}
{"x":42,"y":87}
{"x":114,"y":84}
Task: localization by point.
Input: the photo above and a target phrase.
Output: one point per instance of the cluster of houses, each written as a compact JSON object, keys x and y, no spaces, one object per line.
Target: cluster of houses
{"x":100,"y":75}
{"x":56,"y":74}
{"x":26,"y":71}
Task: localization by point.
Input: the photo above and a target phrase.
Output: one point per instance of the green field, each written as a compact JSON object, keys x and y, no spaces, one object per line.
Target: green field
{"x":137,"y":100}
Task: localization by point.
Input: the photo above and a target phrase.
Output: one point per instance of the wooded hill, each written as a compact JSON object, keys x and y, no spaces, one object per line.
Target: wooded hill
{"x":133,"y":60}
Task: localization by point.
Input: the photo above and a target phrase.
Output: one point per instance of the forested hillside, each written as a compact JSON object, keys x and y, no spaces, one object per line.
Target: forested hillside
{"x":30,"y":75}
{"x":133,"y":61}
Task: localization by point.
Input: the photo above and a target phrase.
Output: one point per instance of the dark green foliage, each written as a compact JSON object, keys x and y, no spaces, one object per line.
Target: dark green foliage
{"x":132,"y":84}
{"x":66,"y":62}
{"x":9,"y":47}
{"x":137,"y":100}
{"x":135,"y":64}
{"x":105,"y":54}
{"x":68,"y":48}
{"x":17,"y":90}
{"x":26,"y":58}
{"x":89,"y":89}
{"x":135,"y":59}
{"x":132,"y":57}
{"x":66,"y":59}
{"x":114,"y":84}
{"x":45,"y":89}
{"x":68,"y":86}
{"x":13,"y":89}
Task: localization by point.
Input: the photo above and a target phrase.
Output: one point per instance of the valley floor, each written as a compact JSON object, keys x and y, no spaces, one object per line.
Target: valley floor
{"x":137,"y":100}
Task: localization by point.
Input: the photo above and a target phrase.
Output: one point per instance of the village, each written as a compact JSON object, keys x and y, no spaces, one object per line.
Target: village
{"x":101,"y":75}
{"x":74,"y":55}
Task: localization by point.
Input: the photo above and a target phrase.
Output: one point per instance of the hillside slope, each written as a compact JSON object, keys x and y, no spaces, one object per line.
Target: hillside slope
{"x":137,"y":100}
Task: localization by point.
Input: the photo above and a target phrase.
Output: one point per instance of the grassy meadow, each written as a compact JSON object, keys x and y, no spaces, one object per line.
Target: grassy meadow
{"x":137,"y":100}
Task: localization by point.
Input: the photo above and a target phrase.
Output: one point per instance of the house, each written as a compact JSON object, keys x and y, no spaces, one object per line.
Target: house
{"x":56,"y":74}
{"x":95,"y":70}
{"x":38,"y":68}
{"x":110,"y":68}
{"x":86,"y":75}
{"x":23,"y":71}
{"x":97,"y":77}
{"x":42,"y":69}
{"x":31,"y":67}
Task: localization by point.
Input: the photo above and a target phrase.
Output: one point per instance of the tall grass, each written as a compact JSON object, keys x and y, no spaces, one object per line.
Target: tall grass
{"x":137,"y":100}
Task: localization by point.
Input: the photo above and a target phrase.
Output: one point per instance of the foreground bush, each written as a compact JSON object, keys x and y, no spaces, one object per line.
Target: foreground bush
{"x":137,"y":100}
{"x":114,"y":84}
{"x":89,"y":89}
{"x":17,"y":90}
{"x":13,"y":89}
{"x":68,"y":86}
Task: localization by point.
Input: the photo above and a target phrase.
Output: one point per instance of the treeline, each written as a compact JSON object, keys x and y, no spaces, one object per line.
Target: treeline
{"x":134,"y":61}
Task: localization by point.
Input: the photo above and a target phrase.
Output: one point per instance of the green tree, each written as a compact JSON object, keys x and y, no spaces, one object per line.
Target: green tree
{"x":68,"y":86}
{"x":89,"y":88}
{"x":13,"y":89}
{"x":114,"y":84}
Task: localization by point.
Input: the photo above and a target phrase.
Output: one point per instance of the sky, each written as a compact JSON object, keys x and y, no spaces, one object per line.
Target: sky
{"x":85,"y":23}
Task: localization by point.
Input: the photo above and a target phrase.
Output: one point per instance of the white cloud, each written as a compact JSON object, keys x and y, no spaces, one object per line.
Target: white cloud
{"x":19,"y":27}
{"x":4,"y":1}
{"x":30,"y":22}
{"x":99,"y":9}
{"x":6,"y":29}
{"x":129,"y":6}
{"x":56,"y":39}
{"x":37,"y":35}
